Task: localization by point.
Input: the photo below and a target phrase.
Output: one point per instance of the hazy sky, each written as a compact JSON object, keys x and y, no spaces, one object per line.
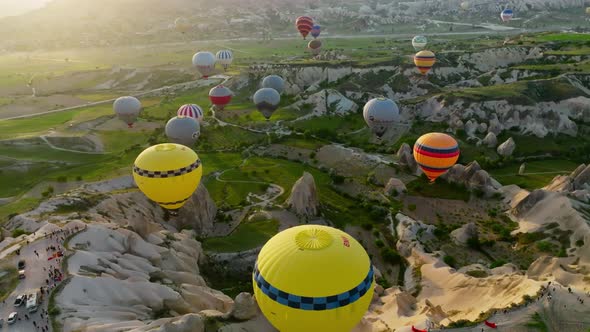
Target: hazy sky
{"x":15,"y":7}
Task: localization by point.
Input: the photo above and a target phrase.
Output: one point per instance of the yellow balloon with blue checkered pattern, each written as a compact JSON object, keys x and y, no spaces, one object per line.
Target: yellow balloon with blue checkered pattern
{"x":313,"y":278}
{"x":168,"y":174}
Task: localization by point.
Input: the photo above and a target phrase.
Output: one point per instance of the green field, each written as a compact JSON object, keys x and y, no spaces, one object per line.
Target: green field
{"x":248,"y":235}
{"x":564,"y":37}
{"x":537,"y":173}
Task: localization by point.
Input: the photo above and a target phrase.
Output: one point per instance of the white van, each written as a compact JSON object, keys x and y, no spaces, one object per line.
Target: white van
{"x":32,"y":303}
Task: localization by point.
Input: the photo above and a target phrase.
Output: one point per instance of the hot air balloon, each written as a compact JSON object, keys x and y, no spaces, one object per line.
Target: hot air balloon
{"x":220,"y":96}
{"x":417,"y":330}
{"x":192,"y":111}
{"x":224,"y":58}
{"x":205,"y":63}
{"x":435,"y":153}
{"x":304,"y":24}
{"x":183,"y":130}
{"x":182,"y":25}
{"x":380,"y":114}
{"x":168,"y":174}
{"x":419,"y":42}
{"x":506,"y":15}
{"x":267,"y":101}
{"x":313,"y":278}
{"x":588,"y":10}
{"x":315,"y":31}
{"x":424,"y":60}
{"x":274,"y":82}
{"x":315,"y":46}
{"x":465,"y":5}
{"x":127,"y":109}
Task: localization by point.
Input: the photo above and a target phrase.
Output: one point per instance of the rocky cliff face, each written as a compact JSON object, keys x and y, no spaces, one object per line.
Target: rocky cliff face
{"x":473,"y":177}
{"x":304,"y":199}
{"x":327,"y":102}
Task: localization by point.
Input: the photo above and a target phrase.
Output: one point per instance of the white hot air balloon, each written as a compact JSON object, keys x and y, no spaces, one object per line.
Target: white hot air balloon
{"x":267,"y":101}
{"x":127,"y":109}
{"x":274,"y":82}
{"x":380,"y":114}
{"x":183,"y":130}
{"x":205,"y":63}
{"x":419,"y":42}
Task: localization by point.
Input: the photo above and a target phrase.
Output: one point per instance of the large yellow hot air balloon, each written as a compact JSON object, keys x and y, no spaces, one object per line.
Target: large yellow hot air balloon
{"x":313,"y":278}
{"x":435,"y":153}
{"x":424,"y":60}
{"x":168,"y":174}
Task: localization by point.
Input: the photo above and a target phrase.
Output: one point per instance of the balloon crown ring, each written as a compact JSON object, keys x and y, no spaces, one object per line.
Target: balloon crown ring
{"x":313,"y":239}
{"x":166,"y":147}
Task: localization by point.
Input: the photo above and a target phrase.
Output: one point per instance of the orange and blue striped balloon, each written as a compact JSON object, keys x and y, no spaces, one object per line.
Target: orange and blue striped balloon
{"x":424,"y":60}
{"x":435,"y":153}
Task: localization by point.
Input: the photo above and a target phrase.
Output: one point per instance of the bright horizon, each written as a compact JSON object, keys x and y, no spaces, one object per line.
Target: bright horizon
{"x":17,"y":7}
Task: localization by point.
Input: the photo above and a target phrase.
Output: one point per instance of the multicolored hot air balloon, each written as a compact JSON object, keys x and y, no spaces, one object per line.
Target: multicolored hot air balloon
{"x":424,"y":60}
{"x":192,"y":111}
{"x":168,"y":174}
{"x":267,"y":101}
{"x":315,"y":46}
{"x":127,"y":109}
{"x":316,"y":30}
{"x":182,"y":25}
{"x":419,"y":42}
{"x":183,"y":130}
{"x":224,"y":58}
{"x":313,"y":278}
{"x":380,"y":114}
{"x":220,"y":96}
{"x":205,"y":63}
{"x":274,"y":82}
{"x":506,"y":15}
{"x":304,"y":24}
{"x":435,"y":153}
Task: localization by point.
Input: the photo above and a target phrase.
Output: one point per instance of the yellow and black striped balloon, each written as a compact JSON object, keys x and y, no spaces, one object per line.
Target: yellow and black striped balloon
{"x":168,"y":174}
{"x":424,"y":60}
{"x":435,"y":153}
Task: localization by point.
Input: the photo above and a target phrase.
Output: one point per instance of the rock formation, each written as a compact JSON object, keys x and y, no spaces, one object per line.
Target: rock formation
{"x":245,"y":307}
{"x":198,"y":213}
{"x":395,"y":187}
{"x":578,"y":180}
{"x":304,"y":199}
{"x":490,"y":140}
{"x":462,"y":234}
{"x":406,"y":158}
{"x":522,"y":169}
{"x":473,"y":178}
{"x":507,"y":148}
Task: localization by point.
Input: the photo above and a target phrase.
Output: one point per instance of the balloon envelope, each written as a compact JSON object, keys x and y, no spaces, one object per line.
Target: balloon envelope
{"x":465,"y":5}
{"x":315,"y":31}
{"x":506,"y":15}
{"x":224,"y":58}
{"x":304,"y":25}
{"x":205,"y":63}
{"x":424,"y":60}
{"x":380,"y":114}
{"x":183,"y":130}
{"x":127,"y":109}
{"x":220,"y":96}
{"x":267,"y":101}
{"x":419,"y":42}
{"x":274,"y":82}
{"x":313,"y":278}
{"x":315,"y":46}
{"x":168,"y":174}
{"x":435,"y":153}
{"x":182,"y":25}
{"x":191,"y":110}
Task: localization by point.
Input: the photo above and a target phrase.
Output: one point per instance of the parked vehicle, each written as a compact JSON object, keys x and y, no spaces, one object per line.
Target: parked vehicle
{"x":20,"y":300}
{"x":12,"y":318}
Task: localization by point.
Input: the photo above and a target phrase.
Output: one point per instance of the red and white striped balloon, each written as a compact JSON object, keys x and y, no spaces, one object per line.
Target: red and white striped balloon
{"x":191,"y":110}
